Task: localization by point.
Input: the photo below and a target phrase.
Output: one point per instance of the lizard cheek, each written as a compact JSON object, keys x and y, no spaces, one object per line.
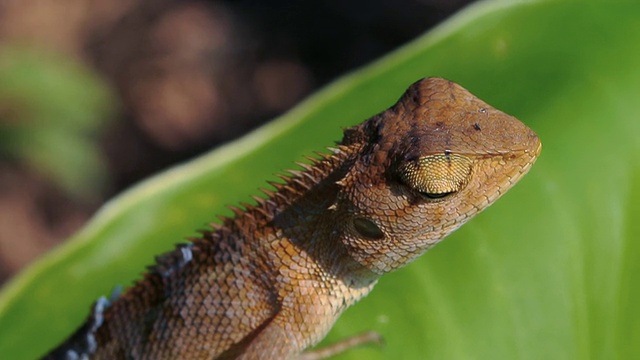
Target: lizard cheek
{"x":367,"y":229}
{"x":437,"y":176}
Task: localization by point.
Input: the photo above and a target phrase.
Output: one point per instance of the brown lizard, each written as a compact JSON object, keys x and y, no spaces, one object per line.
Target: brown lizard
{"x":272,"y":280}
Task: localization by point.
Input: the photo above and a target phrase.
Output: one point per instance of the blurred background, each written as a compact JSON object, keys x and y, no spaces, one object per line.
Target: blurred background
{"x":97,"y":95}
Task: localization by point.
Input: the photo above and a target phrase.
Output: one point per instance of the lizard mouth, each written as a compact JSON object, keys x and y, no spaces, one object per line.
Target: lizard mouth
{"x":529,"y":150}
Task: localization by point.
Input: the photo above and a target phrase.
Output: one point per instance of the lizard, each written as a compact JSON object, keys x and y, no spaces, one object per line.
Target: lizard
{"x":271,"y":280}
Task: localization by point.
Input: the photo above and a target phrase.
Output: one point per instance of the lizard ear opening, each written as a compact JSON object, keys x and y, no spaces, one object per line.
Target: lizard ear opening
{"x":437,"y":176}
{"x":367,"y":228}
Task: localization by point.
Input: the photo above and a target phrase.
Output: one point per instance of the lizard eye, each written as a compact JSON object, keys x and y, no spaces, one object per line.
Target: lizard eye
{"x":437,"y":176}
{"x":436,"y":196}
{"x":368,"y":229}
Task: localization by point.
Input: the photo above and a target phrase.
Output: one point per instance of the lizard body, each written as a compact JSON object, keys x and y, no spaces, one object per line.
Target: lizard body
{"x":272,"y":280}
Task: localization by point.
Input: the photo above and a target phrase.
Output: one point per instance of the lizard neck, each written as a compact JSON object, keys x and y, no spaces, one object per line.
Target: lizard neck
{"x":298,"y":215}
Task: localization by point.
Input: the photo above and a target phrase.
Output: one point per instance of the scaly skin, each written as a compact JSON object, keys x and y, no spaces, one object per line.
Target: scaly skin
{"x":271,"y":281}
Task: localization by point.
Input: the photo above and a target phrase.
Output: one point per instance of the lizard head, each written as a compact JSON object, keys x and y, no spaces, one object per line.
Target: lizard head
{"x":426,"y":166}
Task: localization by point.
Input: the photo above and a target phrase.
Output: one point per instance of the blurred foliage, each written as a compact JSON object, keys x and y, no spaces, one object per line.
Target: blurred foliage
{"x":51,"y":111}
{"x":546,"y":273}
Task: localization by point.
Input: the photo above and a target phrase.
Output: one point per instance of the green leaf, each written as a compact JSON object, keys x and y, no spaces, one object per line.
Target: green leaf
{"x":546,"y":273}
{"x":51,"y":109}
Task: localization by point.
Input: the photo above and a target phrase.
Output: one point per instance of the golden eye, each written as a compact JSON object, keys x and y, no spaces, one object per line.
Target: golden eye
{"x":437,"y":176}
{"x":436,"y":196}
{"x":367,"y":228}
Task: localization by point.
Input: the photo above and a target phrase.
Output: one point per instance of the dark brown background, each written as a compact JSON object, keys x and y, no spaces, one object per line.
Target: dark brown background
{"x":187,"y":75}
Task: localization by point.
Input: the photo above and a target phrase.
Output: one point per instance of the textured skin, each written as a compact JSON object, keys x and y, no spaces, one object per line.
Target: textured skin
{"x":271,"y":281}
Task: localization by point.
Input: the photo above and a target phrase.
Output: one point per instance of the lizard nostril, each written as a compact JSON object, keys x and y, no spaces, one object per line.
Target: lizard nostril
{"x":368,"y":229}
